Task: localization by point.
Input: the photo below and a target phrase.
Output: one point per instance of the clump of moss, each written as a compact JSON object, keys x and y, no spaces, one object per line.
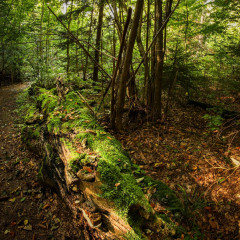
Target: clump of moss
{"x":32,"y":112}
{"x":54,"y":122}
{"x":69,"y":145}
{"x":48,"y":100}
{"x":131,"y":235}
{"x":37,"y":132}
{"x":77,"y":164}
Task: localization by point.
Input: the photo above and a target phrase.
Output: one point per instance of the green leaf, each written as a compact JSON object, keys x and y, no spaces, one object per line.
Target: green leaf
{"x":221,"y":180}
{"x":88,"y":9}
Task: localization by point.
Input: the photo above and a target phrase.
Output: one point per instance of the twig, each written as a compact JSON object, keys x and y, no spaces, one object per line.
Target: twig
{"x":86,"y":103}
{"x":235,"y":169}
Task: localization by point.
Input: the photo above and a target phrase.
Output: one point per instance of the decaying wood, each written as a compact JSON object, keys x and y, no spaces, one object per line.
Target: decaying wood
{"x":77,"y":193}
{"x":80,"y":187}
{"x":61,"y":90}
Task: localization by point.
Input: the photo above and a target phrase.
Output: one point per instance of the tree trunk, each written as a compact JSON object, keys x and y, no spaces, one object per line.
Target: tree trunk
{"x":127,"y":64}
{"x":68,"y":43}
{"x":157,"y":104}
{"x":122,"y":45}
{"x":145,"y":63}
{"x":89,"y":38}
{"x":98,"y":40}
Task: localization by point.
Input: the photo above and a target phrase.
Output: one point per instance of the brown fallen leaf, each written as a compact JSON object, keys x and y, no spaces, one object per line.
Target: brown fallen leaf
{"x":46,"y":206}
{"x":13,"y":224}
{"x":12,"y":200}
{"x":88,"y":169}
{"x":42,"y":226}
{"x":208,"y":208}
{"x":28,"y":227}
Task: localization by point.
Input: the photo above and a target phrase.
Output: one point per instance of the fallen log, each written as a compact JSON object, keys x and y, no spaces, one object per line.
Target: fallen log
{"x":227,"y":114}
{"x":91,"y":171}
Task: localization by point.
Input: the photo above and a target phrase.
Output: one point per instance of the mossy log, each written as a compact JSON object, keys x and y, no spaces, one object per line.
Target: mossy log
{"x":90,"y":170}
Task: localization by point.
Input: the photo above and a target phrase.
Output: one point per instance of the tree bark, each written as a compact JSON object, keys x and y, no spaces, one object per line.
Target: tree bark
{"x":68,"y":43}
{"x":123,"y":40}
{"x":126,"y":65}
{"x":98,"y":40}
{"x":157,"y":104}
{"x":89,"y":38}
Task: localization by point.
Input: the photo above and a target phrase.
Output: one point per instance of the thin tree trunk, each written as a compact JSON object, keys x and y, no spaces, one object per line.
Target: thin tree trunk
{"x":98,"y":40}
{"x":76,"y":51}
{"x":89,"y":38}
{"x":127,"y":64}
{"x":116,"y":19}
{"x":147,"y":73}
{"x":68,"y":43}
{"x":160,"y":49}
{"x":142,"y":54}
{"x":157,"y":105}
{"x":40,"y":43}
{"x":123,"y":40}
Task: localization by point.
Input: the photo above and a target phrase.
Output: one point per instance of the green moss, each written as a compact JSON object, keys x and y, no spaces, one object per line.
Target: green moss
{"x":69,"y":145}
{"x":131,"y":235}
{"x":79,"y":162}
{"x":31,"y":112}
{"x":115,"y":168}
{"x":54,"y":122}
{"x":75,"y":165}
{"x":48,"y":100}
{"x":37,"y":132}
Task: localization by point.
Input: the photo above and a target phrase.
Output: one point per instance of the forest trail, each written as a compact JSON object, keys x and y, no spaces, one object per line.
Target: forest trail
{"x":27,"y":211}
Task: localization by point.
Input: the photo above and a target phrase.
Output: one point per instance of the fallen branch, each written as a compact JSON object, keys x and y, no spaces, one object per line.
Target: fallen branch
{"x":86,"y":103}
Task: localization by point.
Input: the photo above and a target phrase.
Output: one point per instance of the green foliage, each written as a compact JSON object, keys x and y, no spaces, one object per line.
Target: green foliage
{"x":214,"y":121}
{"x":48,"y":100}
{"x":79,"y":162}
{"x":163,"y":194}
{"x":191,"y":204}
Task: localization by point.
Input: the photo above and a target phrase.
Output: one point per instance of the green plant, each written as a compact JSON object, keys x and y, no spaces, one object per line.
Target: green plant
{"x":214,"y":121}
{"x":191,"y":205}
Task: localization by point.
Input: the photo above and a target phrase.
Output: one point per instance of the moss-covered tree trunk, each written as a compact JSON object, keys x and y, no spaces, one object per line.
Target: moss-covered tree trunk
{"x":91,"y":171}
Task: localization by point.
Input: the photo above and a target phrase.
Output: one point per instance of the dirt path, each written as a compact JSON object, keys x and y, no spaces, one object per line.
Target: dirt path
{"x":27,"y":211}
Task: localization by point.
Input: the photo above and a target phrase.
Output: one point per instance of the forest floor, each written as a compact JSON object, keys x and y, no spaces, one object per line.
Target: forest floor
{"x":183,"y":153}
{"x":196,"y":163}
{"x":28,"y":211}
